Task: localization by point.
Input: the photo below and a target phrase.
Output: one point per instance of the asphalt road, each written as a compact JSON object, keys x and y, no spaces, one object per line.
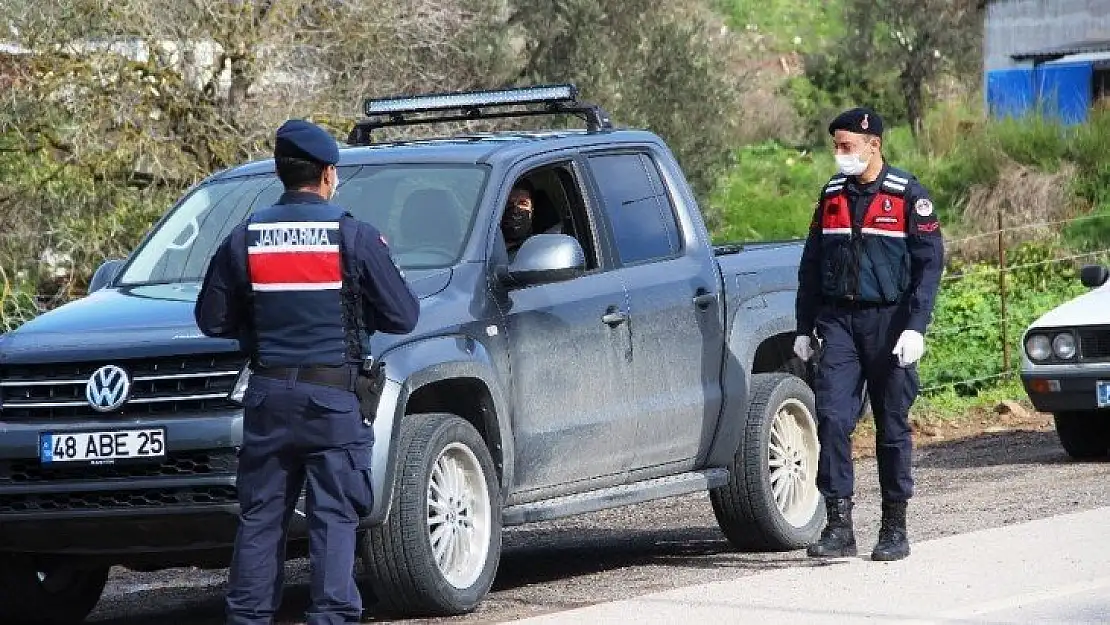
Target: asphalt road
{"x":992,"y":481}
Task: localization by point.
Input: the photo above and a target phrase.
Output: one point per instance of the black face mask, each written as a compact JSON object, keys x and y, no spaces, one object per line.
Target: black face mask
{"x":516,"y":224}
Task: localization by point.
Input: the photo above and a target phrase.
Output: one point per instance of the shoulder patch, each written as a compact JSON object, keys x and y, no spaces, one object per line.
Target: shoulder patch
{"x":923,"y":207}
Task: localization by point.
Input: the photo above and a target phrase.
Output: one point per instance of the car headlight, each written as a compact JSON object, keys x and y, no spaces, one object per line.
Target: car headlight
{"x":240,"y":388}
{"x":1063,"y":345}
{"x":1038,"y":347}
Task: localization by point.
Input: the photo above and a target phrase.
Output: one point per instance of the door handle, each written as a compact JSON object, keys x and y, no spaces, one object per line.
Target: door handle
{"x":703,"y":298}
{"x":614,"y":317}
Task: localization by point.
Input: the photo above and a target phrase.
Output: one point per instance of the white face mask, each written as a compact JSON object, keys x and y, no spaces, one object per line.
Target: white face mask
{"x":851,"y":164}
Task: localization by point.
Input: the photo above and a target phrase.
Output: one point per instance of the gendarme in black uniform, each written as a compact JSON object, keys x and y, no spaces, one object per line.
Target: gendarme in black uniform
{"x":300,"y":285}
{"x":868,"y":281}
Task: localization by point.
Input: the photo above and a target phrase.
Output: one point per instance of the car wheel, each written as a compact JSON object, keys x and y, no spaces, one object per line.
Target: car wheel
{"x":1084,"y":435}
{"x":48,"y":592}
{"x":439,"y":548}
{"x":771,"y":501}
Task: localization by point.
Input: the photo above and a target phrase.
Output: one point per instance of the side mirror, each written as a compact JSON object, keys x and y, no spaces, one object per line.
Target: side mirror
{"x":547,"y":258}
{"x":105,"y":273}
{"x":1094,"y":276}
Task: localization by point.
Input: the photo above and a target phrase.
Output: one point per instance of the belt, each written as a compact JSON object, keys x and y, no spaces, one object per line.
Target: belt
{"x":342,"y":377}
{"x":852,"y":304}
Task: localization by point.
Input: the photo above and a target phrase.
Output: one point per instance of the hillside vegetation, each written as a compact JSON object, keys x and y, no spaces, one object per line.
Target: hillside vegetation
{"x":95,"y":146}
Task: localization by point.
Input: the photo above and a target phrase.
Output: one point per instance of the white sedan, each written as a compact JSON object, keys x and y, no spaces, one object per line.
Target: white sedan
{"x":1066,"y":366}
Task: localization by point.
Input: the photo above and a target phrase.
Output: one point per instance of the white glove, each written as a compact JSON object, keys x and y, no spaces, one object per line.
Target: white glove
{"x":909,"y":348}
{"x":803,"y":348}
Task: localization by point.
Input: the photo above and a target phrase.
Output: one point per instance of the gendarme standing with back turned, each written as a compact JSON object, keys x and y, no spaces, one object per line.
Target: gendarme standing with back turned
{"x":867,"y":284}
{"x":299,"y":284}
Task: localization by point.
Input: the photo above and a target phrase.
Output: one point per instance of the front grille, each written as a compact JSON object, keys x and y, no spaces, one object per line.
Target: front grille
{"x":182,"y":464}
{"x":118,"y":499}
{"x":1094,"y":344}
{"x":159,"y":386}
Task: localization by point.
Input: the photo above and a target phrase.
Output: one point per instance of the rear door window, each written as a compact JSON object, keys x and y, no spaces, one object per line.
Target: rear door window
{"x":637,"y":206}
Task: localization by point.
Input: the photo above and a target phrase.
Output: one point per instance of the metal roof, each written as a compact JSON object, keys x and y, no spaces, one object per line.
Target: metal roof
{"x":1053,"y":53}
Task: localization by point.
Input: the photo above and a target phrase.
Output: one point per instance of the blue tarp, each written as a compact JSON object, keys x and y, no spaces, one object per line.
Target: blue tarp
{"x":1059,"y":90}
{"x":1009,"y":92}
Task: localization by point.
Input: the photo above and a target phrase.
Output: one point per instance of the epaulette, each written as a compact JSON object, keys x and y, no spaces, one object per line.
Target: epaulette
{"x":835,"y":185}
{"x":895,"y":183}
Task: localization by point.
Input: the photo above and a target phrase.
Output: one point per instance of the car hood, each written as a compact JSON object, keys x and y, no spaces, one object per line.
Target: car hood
{"x":1087,"y":309}
{"x":139,"y":321}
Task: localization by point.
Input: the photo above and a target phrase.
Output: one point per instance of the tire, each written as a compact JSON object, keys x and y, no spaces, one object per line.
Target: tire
{"x":746,"y":508}
{"x":1084,"y":435}
{"x":41,"y":593}
{"x":398,"y":555}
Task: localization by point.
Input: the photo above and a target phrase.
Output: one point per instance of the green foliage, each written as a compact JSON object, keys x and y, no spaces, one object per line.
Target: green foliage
{"x":948,"y":403}
{"x":61,"y":221}
{"x":833,"y":83}
{"x":966,"y":338}
{"x":771,"y":192}
{"x":889,"y":53}
{"x":651,"y":65}
{"x":787,"y":25}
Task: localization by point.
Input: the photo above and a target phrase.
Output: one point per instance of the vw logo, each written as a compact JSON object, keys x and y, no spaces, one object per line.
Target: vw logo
{"x":108,"y":388}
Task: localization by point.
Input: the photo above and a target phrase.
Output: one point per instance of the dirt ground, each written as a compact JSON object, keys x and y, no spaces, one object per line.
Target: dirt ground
{"x":1007,"y":416}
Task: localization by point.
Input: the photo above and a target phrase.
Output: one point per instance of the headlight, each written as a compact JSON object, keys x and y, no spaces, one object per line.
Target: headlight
{"x":1063,"y":345}
{"x":240,"y":388}
{"x":1038,"y":347}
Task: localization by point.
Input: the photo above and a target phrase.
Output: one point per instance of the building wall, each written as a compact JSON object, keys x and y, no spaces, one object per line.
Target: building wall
{"x":1014,"y":26}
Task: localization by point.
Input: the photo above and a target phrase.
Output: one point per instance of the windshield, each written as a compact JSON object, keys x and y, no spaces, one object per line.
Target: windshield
{"x":425,"y":213}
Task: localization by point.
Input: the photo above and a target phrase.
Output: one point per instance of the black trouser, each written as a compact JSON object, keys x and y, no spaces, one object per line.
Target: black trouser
{"x":296,"y":432}
{"x":858,"y":341}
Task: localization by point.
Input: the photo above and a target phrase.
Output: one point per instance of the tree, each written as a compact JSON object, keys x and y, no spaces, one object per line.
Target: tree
{"x":663,"y":66}
{"x":917,"y":40}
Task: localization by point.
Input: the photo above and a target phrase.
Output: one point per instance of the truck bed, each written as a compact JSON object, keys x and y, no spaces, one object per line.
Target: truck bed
{"x":759,"y":268}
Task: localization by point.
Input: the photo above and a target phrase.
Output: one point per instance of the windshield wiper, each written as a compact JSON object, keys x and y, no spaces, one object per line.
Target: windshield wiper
{"x":158,"y":282}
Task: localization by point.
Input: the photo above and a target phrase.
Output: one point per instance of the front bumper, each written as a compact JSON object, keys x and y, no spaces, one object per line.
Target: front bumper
{"x":184,"y":501}
{"x":1060,"y":390}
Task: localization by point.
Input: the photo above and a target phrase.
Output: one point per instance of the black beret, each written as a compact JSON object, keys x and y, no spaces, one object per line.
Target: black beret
{"x":301,"y":139}
{"x":861,"y":120}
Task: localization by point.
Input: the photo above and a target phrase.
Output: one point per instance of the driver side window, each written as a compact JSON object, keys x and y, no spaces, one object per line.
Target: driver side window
{"x":548,"y":200}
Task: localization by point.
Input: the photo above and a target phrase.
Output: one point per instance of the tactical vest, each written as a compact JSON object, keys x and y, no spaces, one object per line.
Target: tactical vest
{"x":304,"y":301}
{"x":865,"y":259}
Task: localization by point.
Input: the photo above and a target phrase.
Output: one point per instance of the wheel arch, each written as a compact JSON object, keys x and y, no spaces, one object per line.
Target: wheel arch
{"x":756,"y":339}
{"x":446,"y":374}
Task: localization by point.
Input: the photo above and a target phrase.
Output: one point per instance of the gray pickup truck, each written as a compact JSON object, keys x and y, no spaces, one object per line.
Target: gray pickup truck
{"x":618,"y":357}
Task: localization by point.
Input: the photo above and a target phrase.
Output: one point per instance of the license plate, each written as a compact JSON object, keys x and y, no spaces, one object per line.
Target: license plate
{"x":101,"y":447}
{"x":1102,"y":393}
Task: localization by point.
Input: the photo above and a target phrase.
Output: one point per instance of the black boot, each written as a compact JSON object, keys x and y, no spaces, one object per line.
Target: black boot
{"x":838,"y":540}
{"x":893,"y":543}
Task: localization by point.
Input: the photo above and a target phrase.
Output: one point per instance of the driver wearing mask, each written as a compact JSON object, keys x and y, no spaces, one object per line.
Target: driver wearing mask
{"x":516,"y":222}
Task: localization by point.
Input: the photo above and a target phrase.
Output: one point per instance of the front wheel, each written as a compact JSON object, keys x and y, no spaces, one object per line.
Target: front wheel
{"x":771,"y":501}
{"x":34,"y":592}
{"x":439,"y":548}
{"x":1084,"y":435}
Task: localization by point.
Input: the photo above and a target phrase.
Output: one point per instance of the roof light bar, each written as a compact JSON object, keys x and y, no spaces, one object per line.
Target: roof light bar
{"x":545,"y":94}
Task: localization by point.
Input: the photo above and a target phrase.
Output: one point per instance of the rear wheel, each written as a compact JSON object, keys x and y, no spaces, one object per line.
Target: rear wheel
{"x":41,"y":592}
{"x":771,"y":502}
{"x":439,"y":548}
{"x":1084,"y":435}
